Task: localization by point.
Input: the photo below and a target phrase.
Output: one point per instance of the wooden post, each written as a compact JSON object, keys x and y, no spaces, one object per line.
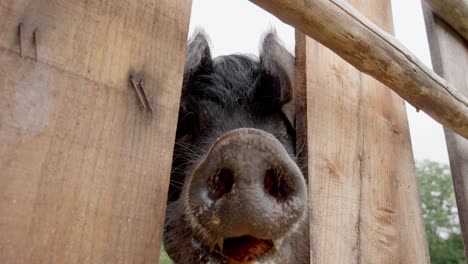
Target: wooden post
{"x":450,"y":59}
{"x":343,"y":29}
{"x":454,"y":12}
{"x":364,"y":201}
{"x":83,"y":171}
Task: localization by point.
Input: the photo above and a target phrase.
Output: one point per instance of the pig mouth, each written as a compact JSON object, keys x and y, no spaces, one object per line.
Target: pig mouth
{"x":244,"y":249}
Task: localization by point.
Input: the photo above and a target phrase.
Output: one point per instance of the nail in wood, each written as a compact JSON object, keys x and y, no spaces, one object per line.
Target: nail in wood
{"x":138,"y":93}
{"x":149,"y":109}
{"x":20,"y":38}
{"x":35,"y":43}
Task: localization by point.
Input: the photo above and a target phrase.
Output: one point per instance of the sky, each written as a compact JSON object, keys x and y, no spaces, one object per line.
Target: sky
{"x":237,"y":27}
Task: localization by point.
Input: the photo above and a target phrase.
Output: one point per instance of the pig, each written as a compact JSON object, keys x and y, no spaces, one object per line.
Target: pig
{"x":237,"y":194}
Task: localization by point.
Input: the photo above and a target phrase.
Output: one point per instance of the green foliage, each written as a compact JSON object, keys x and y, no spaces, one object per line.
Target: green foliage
{"x":163,"y":257}
{"x":440,"y":214}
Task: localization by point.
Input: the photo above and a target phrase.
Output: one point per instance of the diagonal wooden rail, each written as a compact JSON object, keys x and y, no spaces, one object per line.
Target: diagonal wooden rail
{"x":348,"y":33}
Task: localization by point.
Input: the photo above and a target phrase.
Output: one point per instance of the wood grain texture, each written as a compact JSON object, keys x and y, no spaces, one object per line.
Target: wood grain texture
{"x":83,"y":171}
{"x":454,"y":12}
{"x":449,"y":54}
{"x":300,"y":91}
{"x":364,"y":202}
{"x":341,"y":28}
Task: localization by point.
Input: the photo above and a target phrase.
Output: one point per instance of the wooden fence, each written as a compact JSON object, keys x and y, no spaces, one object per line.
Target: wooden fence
{"x":449,"y":52}
{"x":363,"y":198}
{"x":85,"y":156}
{"x":83,"y":171}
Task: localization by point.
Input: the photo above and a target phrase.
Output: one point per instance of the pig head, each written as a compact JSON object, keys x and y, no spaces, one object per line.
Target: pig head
{"x":237,"y":194}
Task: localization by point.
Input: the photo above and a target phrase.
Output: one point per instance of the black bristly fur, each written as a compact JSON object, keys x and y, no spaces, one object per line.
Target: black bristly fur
{"x":230,"y":92}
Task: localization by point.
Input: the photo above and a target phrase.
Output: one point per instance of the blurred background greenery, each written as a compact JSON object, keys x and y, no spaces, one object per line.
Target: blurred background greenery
{"x":439,"y":211}
{"x":163,"y":257}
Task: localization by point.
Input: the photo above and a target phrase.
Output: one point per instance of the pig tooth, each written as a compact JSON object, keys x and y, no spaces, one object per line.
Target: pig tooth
{"x":220,"y":243}
{"x":277,"y":243}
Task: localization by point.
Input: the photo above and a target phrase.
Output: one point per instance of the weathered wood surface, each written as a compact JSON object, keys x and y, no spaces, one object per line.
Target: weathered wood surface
{"x":454,"y":12}
{"x":364,"y":201}
{"x":83,"y":171}
{"x":300,"y":89}
{"x":341,"y":28}
{"x":450,"y":59}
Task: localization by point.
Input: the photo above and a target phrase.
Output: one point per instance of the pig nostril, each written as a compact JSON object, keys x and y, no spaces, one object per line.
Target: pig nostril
{"x":221,"y":184}
{"x":276,"y":184}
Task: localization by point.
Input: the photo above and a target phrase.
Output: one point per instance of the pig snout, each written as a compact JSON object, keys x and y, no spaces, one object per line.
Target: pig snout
{"x":246,"y":186}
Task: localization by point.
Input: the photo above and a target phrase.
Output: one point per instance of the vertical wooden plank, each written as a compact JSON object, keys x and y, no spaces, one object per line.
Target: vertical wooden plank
{"x":300,"y":90}
{"x":83,"y":171}
{"x":364,"y":202}
{"x":332,"y":89}
{"x":392,"y":217}
{"x":449,"y":54}
{"x":300,"y":96}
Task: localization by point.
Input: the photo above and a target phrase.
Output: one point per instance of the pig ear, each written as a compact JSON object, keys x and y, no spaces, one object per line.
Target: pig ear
{"x":198,"y":57}
{"x":276,"y":82}
{"x":197,"y":61}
